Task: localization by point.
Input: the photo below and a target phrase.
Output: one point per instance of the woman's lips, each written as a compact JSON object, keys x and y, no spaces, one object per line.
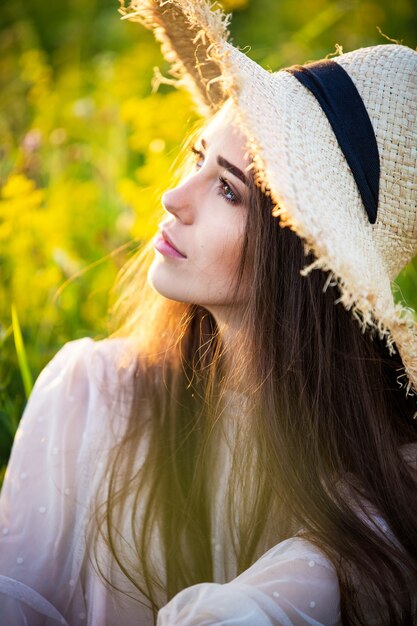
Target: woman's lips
{"x":165,"y":247}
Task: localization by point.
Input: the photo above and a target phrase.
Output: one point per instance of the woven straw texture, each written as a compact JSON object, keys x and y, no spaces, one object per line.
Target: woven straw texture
{"x":296,"y":157}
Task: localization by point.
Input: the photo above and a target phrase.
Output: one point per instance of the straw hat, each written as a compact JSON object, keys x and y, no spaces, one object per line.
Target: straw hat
{"x":298,"y":160}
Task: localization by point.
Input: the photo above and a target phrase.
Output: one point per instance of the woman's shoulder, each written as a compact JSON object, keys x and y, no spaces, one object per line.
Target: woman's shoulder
{"x":83,"y":389}
{"x":87,"y":361}
{"x":75,"y":414}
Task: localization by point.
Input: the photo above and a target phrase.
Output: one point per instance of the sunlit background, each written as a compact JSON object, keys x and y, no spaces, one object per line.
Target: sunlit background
{"x":86,"y":150}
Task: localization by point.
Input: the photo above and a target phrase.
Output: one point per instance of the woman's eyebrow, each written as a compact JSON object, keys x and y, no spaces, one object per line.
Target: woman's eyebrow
{"x":233,"y":169}
{"x":229,"y":166}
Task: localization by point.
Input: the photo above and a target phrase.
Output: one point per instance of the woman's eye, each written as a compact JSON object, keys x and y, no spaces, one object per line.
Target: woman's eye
{"x":198,"y":156}
{"x":224,"y":189}
{"x":227,"y":192}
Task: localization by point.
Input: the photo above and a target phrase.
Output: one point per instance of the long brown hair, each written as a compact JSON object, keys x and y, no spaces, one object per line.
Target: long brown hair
{"x":320,"y":423}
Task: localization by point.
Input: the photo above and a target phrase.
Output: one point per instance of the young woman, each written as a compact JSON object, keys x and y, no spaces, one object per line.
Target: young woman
{"x":244,"y":450}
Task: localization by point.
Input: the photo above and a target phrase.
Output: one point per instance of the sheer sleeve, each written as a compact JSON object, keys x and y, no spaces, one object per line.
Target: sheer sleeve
{"x":293,"y":584}
{"x":46,"y":494}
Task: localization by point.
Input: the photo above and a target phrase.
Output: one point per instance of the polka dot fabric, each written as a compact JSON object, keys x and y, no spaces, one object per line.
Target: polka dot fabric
{"x":292,"y":584}
{"x":46,"y":576}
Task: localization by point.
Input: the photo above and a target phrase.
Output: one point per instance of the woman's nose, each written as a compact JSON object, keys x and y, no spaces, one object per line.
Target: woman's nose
{"x":179,"y":202}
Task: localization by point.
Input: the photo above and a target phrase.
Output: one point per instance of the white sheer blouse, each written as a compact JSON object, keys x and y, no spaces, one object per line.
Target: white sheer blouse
{"x":47,"y":574}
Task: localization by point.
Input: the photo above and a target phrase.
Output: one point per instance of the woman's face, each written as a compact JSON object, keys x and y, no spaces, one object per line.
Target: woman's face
{"x":199,"y":245}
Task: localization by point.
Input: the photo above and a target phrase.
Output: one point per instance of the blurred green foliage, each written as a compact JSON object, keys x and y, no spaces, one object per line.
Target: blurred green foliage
{"x":86,"y":150}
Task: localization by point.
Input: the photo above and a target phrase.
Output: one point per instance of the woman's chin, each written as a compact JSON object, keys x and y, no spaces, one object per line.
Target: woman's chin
{"x":163,"y":284}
